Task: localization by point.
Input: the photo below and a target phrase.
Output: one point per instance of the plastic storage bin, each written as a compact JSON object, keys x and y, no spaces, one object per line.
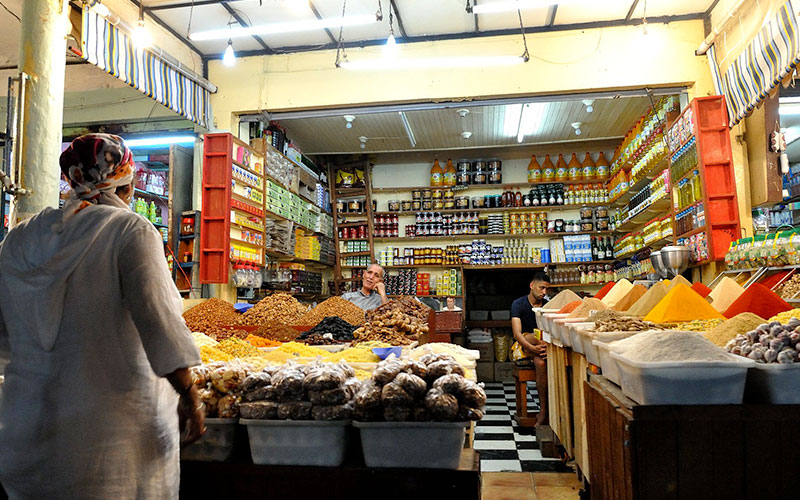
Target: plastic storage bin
{"x":434,"y":445}
{"x":574,"y":330}
{"x":216,"y":445}
{"x":773,"y":383}
{"x":684,"y":382}
{"x":501,"y":315}
{"x":608,"y":365}
{"x":549,"y":323}
{"x":477,"y":315}
{"x":297,"y":442}
{"x":538,"y":313}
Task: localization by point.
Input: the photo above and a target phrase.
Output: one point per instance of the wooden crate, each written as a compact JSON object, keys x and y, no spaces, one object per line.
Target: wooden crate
{"x":579,"y":370}
{"x":559,"y":403}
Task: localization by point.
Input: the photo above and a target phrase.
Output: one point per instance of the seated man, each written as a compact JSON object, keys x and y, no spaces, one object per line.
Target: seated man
{"x":372,"y":293}
{"x":523,"y":323}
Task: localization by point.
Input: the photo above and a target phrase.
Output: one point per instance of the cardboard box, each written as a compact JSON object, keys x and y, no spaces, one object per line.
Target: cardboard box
{"x":486,"y":349}
{"x":503,"y":372}
{"x":485,"y":371}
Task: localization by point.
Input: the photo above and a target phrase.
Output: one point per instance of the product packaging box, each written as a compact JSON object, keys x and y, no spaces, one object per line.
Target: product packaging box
{"x":486,"y":349}
{"x":485,"y":371}
{"x":503,"y":372}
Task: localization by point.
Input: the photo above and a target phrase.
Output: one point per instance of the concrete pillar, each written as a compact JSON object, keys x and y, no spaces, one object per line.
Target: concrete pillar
{"x":42,"y":56}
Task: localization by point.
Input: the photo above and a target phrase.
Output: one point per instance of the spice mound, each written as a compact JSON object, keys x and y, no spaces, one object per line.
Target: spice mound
{"x":207,"y":317}
{"x":563,"y":298}
{"x":583,"y":310}
{"x":279,"y":308}
{"x":334,"y":306}
{"x":737,"y":325}
{"x":672,"y":346}
{"x":681,"y":304}
{"x":759,"y":300}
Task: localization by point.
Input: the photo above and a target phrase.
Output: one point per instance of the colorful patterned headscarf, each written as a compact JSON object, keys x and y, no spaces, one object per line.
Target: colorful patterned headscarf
{"x":96,"y":165}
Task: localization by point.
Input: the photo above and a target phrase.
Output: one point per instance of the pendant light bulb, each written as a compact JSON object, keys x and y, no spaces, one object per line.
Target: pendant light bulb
{"x":141,"y":36}
{"x":229,"y":58}
{"x":391,"y":45}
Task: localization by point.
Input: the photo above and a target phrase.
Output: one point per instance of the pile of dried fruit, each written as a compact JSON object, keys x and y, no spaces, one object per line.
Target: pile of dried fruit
{"x":278,"y":333}
{"x":790,"y":289}
{"x":333,"y":328}
{"x":399,"y":322}
{"x":334,"y":306}
{"x":623,"y":324}
{"x":279,"y":308}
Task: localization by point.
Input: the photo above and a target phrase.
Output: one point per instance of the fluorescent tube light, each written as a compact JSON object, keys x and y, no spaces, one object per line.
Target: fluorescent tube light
{"x":409,"y":132}
{"x":788,"y":109}
{"x":495,"y":7}
{"x":432,"y":62}
{"x":292,"y":27}
{"x":511,"y":120}
{"x":160,"y":141}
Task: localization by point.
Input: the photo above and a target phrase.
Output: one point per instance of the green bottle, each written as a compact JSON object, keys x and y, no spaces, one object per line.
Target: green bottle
{"x":151,"y":212}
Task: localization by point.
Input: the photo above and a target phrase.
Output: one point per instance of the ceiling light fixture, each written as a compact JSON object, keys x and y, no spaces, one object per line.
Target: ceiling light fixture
{"x":391,"y":42}
{"x":160,"y":141}
{"x":229,"y":58}
{"x":530,"y":119}
{"x":292,"y":27}
{"x":524,"y":115}
{"x":507,"y":6}
{"x":511,"y":119}
{"x":466,"y":135}
{"x":589,"y":103}
{"x":363,"y":141}
{"x":463,"y":112}
{"x":141,"y":36}
{"x":577,"y":127}
{"x":349,"y":119}
{"x":409,"y":132}
{"x":432,"y":62}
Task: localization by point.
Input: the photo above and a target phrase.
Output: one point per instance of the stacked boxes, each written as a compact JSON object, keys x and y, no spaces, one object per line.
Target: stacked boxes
{"x":449,"y":283}
{"x":307,"y":247}
{"x":423,"y":283}
{"x":324,"y":225}
{"x":287,"y":204}
{"x":404,"y":283}
{"x":306,"y":282}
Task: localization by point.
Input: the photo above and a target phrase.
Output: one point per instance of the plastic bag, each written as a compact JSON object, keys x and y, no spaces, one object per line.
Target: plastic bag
{"x":262,"y":410}
{"x":332,"y":412}
{"x":294,"y":410}
{"x":412,"y":384}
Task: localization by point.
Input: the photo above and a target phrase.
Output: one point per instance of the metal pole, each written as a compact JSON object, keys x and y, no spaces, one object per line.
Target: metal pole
{"x":41,"y":57}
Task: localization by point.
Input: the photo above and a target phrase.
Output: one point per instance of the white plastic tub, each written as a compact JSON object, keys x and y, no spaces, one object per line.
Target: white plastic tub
{"x":216,"y":445}
{"x":563,"y":326}
{"x":539,"y":312}
{"x":549,"y":325}
{"x":297,"y":442}
{"x":608,"y":365}
{"x":591,"y":350}
{"x":683,"y":382}
{"x":428,"y":445}
{"x":774,"y":383}
{"x":574,"y":330}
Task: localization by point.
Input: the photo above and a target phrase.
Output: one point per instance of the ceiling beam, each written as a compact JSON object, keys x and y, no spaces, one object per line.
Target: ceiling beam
{"x":393,"y":6}
{"x":472,"y":34}
{"x":171,"y":31}
{"x":631,"y":10}
{"x":181,"y":5}
{"x":711,"y":7}
{"x":319,"y":16}
{"x":243,"y":23}
{"x":551,"y":16}
{"x":477,"y":28}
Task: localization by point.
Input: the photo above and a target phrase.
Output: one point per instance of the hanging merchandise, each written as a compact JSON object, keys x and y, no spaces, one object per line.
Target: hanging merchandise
{"x":681,"y":304}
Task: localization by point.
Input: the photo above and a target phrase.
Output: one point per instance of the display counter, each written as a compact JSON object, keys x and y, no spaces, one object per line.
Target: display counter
{"x":689,"y":451}
{"x":351,"y":481}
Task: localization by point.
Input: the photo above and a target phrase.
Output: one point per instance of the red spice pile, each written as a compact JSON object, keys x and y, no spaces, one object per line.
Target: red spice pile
{"x":759,"y":300}
{"x":604,"y":291}
{"x":700,"y":288}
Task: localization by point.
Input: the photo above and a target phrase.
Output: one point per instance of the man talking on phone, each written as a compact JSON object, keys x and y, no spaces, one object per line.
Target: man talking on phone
{"x":372,"y":293}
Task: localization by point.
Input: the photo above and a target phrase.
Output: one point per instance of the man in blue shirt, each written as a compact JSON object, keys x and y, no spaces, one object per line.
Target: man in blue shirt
{"x":523,"y":323}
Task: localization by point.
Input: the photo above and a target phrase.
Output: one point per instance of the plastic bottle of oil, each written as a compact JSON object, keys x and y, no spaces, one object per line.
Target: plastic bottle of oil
{"x":449,"y":178}
{"x":437,"y":174}
{"x":534,"y":170}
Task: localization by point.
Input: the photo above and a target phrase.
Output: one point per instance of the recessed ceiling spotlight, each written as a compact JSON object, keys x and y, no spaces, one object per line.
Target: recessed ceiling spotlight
{"x":363,"y":140}
{"x":577,"y":127}
{"x":588,"y":103}
{"x":466,"y":135}
{"x":349,"y":119}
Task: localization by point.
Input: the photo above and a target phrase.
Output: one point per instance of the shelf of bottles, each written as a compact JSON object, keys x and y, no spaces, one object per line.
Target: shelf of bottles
{"x":643,"y":145}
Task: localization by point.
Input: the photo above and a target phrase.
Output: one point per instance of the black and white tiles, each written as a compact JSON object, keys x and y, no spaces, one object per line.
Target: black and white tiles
{"x":503,"y":445}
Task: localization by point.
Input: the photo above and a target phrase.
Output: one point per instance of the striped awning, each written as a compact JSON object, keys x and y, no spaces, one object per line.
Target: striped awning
{"x":769,"y":59}
{"x":111,"y":49}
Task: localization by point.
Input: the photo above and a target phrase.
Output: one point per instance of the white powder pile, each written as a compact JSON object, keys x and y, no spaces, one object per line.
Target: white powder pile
{"x":609,"y":337}
{"x":670,"y":346}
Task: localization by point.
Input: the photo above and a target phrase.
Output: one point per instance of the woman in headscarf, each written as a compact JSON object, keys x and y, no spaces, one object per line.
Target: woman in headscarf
{"x":98,"y":382}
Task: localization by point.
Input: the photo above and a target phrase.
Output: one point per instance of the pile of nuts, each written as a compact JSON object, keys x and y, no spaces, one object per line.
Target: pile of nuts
{"x":623,"y":324}
{"x":334,"y":306}
{"x":280,"y":333}
{"x":279,"y":308}
{"x":208,"y":316}
{"x":791,"y":288}
{"x":399,"y":322}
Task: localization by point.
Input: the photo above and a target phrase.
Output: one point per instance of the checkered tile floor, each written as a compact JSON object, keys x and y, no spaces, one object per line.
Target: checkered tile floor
{"x":504,"y":446}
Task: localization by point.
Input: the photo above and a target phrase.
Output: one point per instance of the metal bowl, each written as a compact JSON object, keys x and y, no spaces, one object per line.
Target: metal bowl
{"x":658,"y":264}
{"x":675,"y":259}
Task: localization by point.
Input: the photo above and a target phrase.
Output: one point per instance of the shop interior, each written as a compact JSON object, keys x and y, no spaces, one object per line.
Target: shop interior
{"x":663,"y":209}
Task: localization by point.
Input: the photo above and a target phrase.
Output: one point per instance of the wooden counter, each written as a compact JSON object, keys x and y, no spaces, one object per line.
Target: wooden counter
{"x":351,"y":481}
{"x":714,"y":452}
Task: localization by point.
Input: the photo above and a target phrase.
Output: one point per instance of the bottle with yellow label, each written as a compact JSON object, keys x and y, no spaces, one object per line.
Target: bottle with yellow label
{"x":575,"y":169}
{"x":561,"y":169}
{"x":589,"y":169}
{"x":449,"y":178}
{"x":548,"y":169}
{"x":602,"y":169}
{"x":437,"y":174}
{"x":534,"y":170}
